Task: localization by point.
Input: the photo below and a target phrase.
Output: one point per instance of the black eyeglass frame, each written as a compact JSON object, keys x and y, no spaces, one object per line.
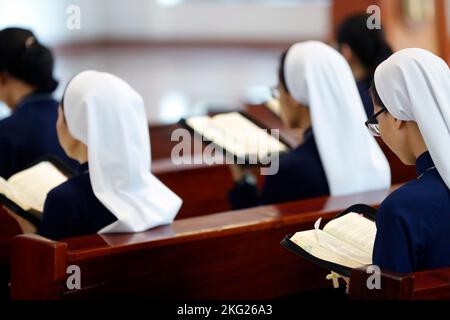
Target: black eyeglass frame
{"x":373,"y":125}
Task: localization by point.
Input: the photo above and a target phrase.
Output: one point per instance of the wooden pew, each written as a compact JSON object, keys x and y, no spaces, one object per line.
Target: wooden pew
{"x":230,"y":255}
{"x":203,"y":188}
{"x":160,"y":140}
{"x":423,"y":285}
{"x":8,"y":229}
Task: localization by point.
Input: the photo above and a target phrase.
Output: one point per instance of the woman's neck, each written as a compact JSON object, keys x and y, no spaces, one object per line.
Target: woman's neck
{"x":416,"y":142}
{"x":419,"y":150}
{"x":16,"y":95}
{"x":360,"y":73}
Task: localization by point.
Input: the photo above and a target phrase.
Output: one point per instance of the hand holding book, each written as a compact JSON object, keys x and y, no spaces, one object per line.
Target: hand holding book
{"x":24,"y":193}
{"x":345,"y":243}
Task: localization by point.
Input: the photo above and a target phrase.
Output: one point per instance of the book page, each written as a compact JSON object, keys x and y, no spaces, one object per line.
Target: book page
{"x":200,"y":124}
{"x":237,"y":134}
{"x":354,"y":229}
{"x":29,"y":188}
{"x":4,"y":188}
{"x":341,"y":254}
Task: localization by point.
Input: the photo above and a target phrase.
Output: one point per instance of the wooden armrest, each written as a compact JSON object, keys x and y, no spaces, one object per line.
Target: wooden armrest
{"x":38,"y":267}
{"x":423,"y":285}
{"x":432,"y":284}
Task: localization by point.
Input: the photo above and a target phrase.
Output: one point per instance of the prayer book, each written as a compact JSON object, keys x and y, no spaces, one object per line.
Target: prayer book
{"x":345,"y":243}
{"x":238,"y":136}
{"x":25,"y":192}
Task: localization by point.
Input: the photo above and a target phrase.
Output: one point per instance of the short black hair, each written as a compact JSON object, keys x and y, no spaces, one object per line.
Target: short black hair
{"x":23,"y":57}
{"x":369,"y":45}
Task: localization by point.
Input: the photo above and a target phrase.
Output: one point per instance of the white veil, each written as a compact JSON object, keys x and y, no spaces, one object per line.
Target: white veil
{"x":414,"y":85}
{"x":319,"y":77}
{"x":107,"y":115}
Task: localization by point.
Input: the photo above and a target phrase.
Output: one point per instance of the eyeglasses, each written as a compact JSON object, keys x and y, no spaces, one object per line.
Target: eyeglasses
{"x":275,"y":92}
{"x":373,"y":125}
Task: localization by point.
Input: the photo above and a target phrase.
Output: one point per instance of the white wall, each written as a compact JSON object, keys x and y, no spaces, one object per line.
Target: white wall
{"x":146,"y":20}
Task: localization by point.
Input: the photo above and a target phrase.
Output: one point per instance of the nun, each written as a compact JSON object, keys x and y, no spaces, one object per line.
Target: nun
{"x":102,"y":124}
{"x":318,"y":94}
{"x":26,"y":87}
{"x":412,"y":114}
{"x":364,"y":49}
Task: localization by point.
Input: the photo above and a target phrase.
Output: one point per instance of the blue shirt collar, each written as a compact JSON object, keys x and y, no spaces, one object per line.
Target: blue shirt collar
{"x":32,"y":98}
{"x":423,"y":163}
{"x":308,"y":134}
{"x":83,"y":168}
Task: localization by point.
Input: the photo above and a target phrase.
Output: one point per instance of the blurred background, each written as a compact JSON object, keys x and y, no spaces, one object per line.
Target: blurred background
{"x":188,"y":57}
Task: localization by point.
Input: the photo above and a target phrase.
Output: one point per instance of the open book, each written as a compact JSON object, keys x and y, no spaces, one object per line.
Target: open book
{"x":345,"y":242}
{"x":25,"y":192}
{"x":237,"y":135}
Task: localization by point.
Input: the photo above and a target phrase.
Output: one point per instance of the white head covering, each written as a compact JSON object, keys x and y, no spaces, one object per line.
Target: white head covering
{"x":107,"y":115}
{"x":414,"y":85}
{"x":317,"y":76}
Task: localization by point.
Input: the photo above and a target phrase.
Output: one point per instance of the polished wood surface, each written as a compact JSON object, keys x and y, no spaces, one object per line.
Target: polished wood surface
{"x":423,"y":285}
{"x":203,"y":187}
{"x":8,"y":229}
{"x":230,"y":255}
{"x":160,"y":140}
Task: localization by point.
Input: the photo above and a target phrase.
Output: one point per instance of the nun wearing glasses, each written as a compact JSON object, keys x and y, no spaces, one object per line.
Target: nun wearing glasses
{"x":338,"y":156}
{"x":411,"y":94}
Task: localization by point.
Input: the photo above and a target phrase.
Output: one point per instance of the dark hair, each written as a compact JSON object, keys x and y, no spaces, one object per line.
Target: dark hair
{"x":281,"y":75}
{"x":369,"y":45}
{"x":22,"y":56}
{"x":375,"y":96}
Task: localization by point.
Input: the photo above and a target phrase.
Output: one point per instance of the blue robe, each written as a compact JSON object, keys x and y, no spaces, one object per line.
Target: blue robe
{"x":300,"y":176}
{"x":29,"y":134}
{"x":413,"y":224}
{"x":72,"y":209}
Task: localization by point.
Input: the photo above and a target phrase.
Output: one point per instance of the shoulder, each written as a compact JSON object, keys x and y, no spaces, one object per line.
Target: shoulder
{"x":301,"y":159}
{"x":426,"y":193}
{"x":50,"y":105}
{"x":7,"y":124}
{"x":69,"y":192}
